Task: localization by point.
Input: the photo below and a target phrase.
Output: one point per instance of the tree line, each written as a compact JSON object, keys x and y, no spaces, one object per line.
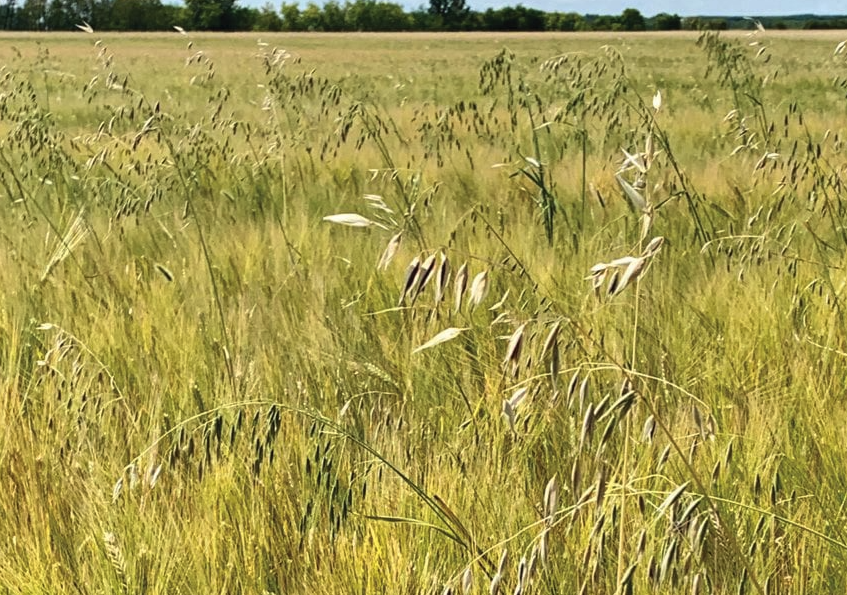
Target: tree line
{"x":356,"y":15}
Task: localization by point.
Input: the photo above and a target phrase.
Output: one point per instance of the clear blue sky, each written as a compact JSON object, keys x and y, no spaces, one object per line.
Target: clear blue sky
{"x":647,"y":7}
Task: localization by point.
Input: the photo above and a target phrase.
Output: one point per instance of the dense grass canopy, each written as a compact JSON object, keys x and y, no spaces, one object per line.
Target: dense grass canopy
{"x":422,"y":313}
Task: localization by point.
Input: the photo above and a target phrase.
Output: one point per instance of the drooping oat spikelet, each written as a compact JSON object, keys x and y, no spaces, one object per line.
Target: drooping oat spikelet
{"x":551,"y":499}
{"x":576,"y":476}
{"x":697,"y":584}
{"x":133,"y":476}
{"x":646,"y":223}
{"x":587,"y":426}
{"x":518,"y":396}
{"x":153,"y":475}
{"x":626,"y":579}
{"x":510,"y":406}
{"x":479,"y":289}
{"x":648,"y":150}
{"x":117,"y":489}
{"x":572,"y":388}
{"x":597,"y":276}
{"x":389,"y":252}
{"x":532,"y":564}
{"x":467,"y":581}
{"x":494,"y":587}
{"x":648,"y":430}
{"x":514,"y":349}
{"x":460,"y":286}
{"x":631,"y":274}
{"x":638,"y":201}
{"x":412,"y":272}
{"x":614,"y":283}
{"x":352,"y":220}
{"x":504,"y":559}
{"x":654,"y":246}
{"x":426,"y":272}
{"x":624,"y":271}
{"x":552,"y":336}
{"x":522,"y":576}
{"x":501,"y":302}
{"x":600,"y":490}
{"x":671,"y":499}
{"x":555,"y":366}
{"x":442,"y":337}
{"x":583,"y":393}
{"x":442,"y":278}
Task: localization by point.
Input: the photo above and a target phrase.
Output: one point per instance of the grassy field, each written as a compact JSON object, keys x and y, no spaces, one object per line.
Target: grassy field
{"x":423,"y":314}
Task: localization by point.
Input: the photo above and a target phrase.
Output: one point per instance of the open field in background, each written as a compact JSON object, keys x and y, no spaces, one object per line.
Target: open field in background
{"x":207,"y":388}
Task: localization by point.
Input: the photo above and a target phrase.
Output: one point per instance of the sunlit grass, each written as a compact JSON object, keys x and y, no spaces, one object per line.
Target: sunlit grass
{"x":208,"y":388}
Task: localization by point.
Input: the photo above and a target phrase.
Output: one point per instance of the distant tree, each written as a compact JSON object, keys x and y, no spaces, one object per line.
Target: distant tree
{"x":452,"y":14}
{"x":92,"y":12}
{"x":130,"y":15}
{"x":333,"y":16}
{"x":667,"y":22}
{"x":32,"y":15}
{"x":514,"y":18}
{"x":290,"y":17}
{"x":210,"y":15}
{"x":423,"y":20}
{"x":59,"y":16}
{"x":691,"y":23}
{"x":311,"y":18}
{"x":8,"y":15}
{"x":370,"y":15}
{"x":716,"y":24}
{"x":604,"y":23}
{"x":267,"y":19}
{"x":563,"y":21}
{"x":631,"y":19}
{"x":244,"y":18}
